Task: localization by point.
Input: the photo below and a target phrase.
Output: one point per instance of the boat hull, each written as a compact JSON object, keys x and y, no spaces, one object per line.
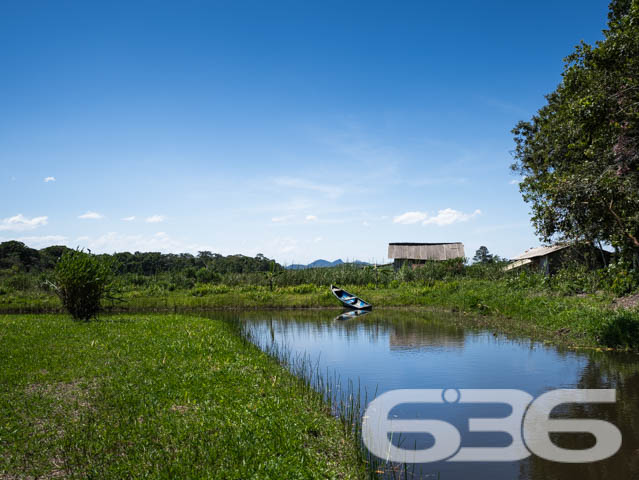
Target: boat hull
{"x":349,"y":300}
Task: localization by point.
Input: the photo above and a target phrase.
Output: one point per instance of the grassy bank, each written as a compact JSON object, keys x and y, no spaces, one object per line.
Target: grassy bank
{"x":525,"y":303}
{"x":161,"y":396}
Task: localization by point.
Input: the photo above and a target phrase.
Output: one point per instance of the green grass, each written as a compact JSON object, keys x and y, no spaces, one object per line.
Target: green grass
{"x":531,"y":302}
{"x":158,"y":396}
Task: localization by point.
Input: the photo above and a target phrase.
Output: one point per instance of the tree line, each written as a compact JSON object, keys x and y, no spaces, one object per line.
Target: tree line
{"x":17,"y":257}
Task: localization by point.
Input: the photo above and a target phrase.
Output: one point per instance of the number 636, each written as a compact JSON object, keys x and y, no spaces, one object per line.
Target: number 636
{"x":529,"y":425}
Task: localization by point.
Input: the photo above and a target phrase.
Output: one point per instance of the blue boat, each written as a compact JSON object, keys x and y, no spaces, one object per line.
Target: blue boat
{"x":349,"y":300}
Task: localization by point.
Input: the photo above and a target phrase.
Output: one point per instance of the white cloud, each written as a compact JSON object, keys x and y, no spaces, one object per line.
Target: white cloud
{"x":158,"y":242}
{"x":129,"y":219}
{"x":155,"y":219}
{"x":447,"y":216}
{"x":311,"y":218}
{"x":20,"y":223}
{"x":91,"y":216}
{"x":366,"y":224}
{"x":410,"y":217}
{"x":331,"y":191}
{"x":317,"y":239}
{"x":49,"y":179}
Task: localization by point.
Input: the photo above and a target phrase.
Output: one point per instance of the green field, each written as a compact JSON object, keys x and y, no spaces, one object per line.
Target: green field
{"x":157,"y":396}
{"x":523,"y":304}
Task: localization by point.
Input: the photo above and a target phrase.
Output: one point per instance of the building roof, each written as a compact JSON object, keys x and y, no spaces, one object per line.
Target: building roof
{"x":540,"y":251}
{"x":415,"y":244}
{"x":517,"y":264}
{"x":425,"y":251}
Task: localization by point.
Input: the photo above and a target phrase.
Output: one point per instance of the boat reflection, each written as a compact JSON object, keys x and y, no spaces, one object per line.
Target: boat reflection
{"x":350,"y":315}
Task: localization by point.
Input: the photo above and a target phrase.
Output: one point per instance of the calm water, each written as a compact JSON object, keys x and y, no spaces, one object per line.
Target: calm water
{"x":390,"y":350}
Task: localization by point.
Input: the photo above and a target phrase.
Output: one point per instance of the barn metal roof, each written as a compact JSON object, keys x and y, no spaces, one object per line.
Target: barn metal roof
{"x":540,"y":251}
{"x":425,"y":251}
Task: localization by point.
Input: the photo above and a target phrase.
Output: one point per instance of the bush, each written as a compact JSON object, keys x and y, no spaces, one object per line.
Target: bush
{"x":620,"y":278}
{"x":206,"y":275}
{"x":182,"y":281}
{"x":82,"y":280}
{"x":19,"y":282}
{"x":620,"y":330}
{"x":304,"y":288}
{"x":576,"y":278}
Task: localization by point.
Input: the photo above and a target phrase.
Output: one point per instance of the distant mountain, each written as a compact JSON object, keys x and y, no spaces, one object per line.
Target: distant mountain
{"x":322,"y":264}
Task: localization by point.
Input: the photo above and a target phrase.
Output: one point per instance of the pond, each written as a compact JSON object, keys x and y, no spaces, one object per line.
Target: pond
{"x":396,"y":349}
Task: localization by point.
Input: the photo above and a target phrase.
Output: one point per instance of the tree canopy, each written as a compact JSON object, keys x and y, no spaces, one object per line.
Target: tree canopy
{"x":17,"y":255}
{"x":579,"y":155}
{"x":483,"y":256}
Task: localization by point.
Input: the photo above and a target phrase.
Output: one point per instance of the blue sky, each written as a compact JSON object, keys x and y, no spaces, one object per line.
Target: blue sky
{"x":300,"y":130}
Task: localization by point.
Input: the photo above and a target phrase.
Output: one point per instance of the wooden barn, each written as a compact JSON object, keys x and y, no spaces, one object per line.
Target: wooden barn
{"x":419,"y":253}
{"x":551,"y":258}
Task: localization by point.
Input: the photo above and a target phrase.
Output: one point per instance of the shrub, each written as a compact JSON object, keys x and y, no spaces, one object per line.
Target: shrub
{"x":19,"y":281}
{"x":82,"y":280}
{"x":206,"y":275}
{"x":138,"y":280}
{"x":620,"y":329}
{"x":304,"y":288}
{"x":575,"y":278}
{"x":182,"y":281}
{"x":620,"y":278}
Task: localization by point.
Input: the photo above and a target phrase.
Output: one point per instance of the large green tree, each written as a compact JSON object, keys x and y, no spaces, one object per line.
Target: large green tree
{"x":579,"y":155}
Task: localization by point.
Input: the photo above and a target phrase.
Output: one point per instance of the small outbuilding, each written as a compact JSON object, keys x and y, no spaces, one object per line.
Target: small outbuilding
{"x":420,"y":253}
{"x":551,"y":258}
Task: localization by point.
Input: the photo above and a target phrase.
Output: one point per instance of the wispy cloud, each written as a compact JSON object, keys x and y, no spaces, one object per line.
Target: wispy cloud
{"x":129,"y":219}
{"x":311,"y":218}
{"x":49,"y":179}
{"x":447,"y":216}
{"x":331,"y":191}
{"x":91,"y":216}
{"x":155,"y":219}
{"x":282,"y":218}
{"x":410,"y":217}
{"x":285,"y":245}
{"x":21,"y":223}
{"x":158,"y":242}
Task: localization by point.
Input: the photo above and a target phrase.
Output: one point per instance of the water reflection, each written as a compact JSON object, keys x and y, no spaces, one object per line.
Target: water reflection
{"x":351,"y":314}
{"x":406,"y":349}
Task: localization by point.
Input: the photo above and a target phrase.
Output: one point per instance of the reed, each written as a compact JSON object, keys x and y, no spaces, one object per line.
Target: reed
{"x":345,"y":399}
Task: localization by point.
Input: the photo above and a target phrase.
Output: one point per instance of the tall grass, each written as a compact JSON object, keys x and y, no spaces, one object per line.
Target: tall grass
{"x":346,"y":400}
